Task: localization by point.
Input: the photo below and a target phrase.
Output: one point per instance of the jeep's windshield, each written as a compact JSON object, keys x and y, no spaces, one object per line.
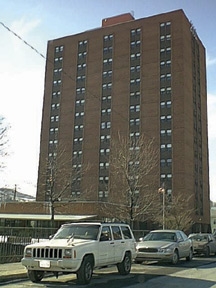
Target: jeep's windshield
{"x":84,"y":231}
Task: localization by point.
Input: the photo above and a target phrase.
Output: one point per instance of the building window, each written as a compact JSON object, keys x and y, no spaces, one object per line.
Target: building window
{"x":106,"y":98}
{"x":107,"y":60}
{"x":53,"y":142}
{"x":107,"y":73}
{"x":82,"y":43}
{"x":105,"y":125}
{"x":104,"y":165}
{"x":57,"y":82}
{"x":57,"y":71}
{"x":79,"y":114}
{"x":107,"y":86}
{"x":106,"y":111}
{"x":105,"y":138}
{"x":59,"y":48}
{"x":55,"y":106}
{"x":135,"y":108}
{"x":54,"y":118}
{"x":135,"y":56}
{"x":58,"y":59}
{"x":80,"y":102}
{"x":56,"y":94}
{"x":53,"y":130}
{"x":108,"y":37}
{"x":135,"y":31}
{"x":135,"y":121}
{"x":80,"y":90}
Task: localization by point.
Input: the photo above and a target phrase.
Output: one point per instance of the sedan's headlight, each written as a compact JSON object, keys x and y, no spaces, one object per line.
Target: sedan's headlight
{"x":165,"y":250}
{"x":68,"y":253}
{"x":28,"y":252}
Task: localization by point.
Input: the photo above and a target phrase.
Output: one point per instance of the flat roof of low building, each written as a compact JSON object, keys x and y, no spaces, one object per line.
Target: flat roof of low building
{"x":44,"y":217}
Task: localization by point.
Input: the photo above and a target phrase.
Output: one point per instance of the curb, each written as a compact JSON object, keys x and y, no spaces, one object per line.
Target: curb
{"x":5,"y":278}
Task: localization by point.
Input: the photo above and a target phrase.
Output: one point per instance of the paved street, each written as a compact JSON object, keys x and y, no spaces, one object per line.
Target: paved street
{"x":199,"y":273}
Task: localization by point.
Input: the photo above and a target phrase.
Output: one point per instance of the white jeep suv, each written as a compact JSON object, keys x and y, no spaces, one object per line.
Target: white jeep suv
{"x":79,"y":248}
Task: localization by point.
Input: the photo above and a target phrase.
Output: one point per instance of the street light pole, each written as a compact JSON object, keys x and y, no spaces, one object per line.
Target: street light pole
{"x":162,"y":190}
{"x":163,"y":208}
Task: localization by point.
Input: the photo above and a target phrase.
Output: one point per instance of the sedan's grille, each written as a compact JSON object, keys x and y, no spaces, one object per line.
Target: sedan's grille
{"x":49,"y":253}
{"x":151,"y":250}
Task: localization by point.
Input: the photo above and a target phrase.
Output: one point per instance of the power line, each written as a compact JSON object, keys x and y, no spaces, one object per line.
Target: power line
{"x":20,"y":38}
{"x":52,"y":62}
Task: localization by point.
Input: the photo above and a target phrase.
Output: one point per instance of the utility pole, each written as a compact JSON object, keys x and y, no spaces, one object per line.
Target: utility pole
{"x":15,"y":192}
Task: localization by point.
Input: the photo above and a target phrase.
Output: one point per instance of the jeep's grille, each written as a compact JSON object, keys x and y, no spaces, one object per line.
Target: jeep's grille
{"x":50,"y":253}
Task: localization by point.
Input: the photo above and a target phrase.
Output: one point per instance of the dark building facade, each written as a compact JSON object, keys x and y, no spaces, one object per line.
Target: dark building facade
{"x":145,"y":76}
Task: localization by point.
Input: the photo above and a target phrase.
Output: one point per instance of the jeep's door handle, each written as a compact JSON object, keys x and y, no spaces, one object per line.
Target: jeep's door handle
{"x":111,"y":242}
{"x":122,"y":241}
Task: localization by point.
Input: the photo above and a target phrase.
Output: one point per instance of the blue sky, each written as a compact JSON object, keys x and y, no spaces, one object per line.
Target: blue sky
{"x":22,"y":69}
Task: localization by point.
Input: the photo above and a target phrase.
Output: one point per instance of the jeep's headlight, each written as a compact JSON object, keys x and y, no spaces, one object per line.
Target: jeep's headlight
{"x":28,"y":252}
{"x":68,"y":253}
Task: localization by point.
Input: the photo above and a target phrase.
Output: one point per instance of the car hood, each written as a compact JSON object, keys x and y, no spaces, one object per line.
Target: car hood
{"x":61,"y":243}
{"x":155,"y":244}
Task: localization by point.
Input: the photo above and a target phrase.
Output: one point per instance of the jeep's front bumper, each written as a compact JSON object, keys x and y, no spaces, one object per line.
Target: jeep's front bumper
{"x":60,"y":265}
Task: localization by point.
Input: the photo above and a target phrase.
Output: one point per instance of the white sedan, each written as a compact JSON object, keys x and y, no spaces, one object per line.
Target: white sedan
{"x":164,"y":245}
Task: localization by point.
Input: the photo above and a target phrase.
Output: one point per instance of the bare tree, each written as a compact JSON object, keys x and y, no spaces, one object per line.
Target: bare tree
{"x":177,"y":212}
{"x":133,"y":191}
{"x":61,"y":177}
{"x":3,"y":140}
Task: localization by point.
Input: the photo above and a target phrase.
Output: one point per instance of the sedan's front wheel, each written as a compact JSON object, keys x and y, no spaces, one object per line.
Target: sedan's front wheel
{"x":175,"y":257}
{"x":190,"y":256}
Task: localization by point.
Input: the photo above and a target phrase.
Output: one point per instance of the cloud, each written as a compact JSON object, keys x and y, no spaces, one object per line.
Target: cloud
{"x":211,"y":115}
{"x":212,"y":139}
{"x":210,"y":61}
{"x":23,"y":28}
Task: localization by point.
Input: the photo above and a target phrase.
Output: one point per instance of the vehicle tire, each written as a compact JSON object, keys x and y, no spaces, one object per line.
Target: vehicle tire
{"x":175,"y":257}
{"x":207,"y":252}
{"x":125,"y":266}
{"x":35,"y":276}
{"x":84,"y":274}
{"x":190,"y":256}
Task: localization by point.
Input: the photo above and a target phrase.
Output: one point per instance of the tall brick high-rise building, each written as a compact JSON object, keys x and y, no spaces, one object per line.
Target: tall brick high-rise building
{"x":145,"y":76}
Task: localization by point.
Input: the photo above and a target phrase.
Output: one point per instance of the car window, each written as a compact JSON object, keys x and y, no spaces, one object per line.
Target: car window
{"x":116,"y":233}
{"x":184,"y":236}
{"x":105,"y":234}
{"x":126,"y":232}
{"x":179,"y":237}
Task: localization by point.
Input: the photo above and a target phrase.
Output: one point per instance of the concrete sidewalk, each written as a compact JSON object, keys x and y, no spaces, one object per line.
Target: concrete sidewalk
{"x":12,"y":270}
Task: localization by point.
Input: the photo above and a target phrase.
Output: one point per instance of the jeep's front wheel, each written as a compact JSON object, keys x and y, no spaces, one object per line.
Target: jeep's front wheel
{"x":35,"y":276}
{"x":125,"y":266}
{"x":84,"y":274}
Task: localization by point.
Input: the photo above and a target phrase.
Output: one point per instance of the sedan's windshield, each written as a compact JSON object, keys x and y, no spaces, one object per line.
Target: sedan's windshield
{"x":161,"y":236}
{"x":89,"y":232}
